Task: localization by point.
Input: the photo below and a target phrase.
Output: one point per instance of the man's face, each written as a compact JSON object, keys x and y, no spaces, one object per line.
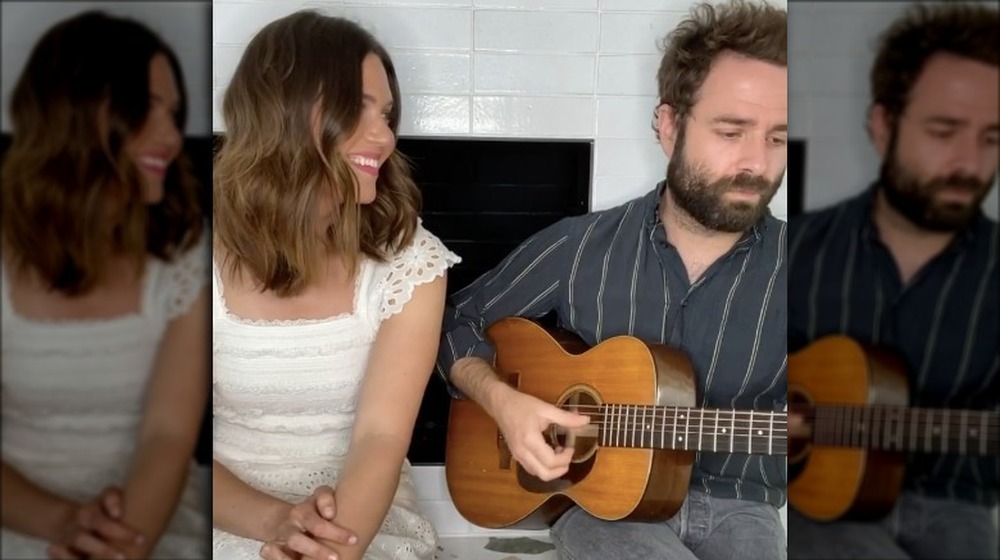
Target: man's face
{"x":728,"y":158}
{"x":940,"y":159}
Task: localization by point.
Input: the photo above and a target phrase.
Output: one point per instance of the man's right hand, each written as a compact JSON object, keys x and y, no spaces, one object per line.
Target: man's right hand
{"x":303,"y":523}
{"x":522,"y":420}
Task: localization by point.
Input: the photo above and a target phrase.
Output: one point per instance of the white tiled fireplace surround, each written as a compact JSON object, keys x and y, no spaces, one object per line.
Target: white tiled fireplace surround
{"x":505,"y":69}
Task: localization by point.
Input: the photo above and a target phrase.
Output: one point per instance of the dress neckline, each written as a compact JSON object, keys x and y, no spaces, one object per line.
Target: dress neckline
{"x":144,"y":296}
{"x":218,"y":292}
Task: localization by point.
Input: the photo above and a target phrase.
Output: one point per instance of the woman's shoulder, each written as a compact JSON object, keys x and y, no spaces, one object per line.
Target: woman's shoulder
{"x":422,"y":260}
{"x":181,"y":280}
{"x":424,"y":248}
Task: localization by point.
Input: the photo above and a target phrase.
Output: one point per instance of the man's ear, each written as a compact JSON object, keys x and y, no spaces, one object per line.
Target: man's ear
{"x":666,"y":128}
{"x":879,"y":128}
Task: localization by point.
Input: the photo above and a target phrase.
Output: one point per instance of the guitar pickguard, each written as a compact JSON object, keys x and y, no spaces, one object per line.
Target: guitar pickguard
{"x":576,"y":473}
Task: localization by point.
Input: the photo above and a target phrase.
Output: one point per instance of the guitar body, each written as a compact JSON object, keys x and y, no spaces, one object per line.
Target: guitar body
{"x":829,"y":483}
{"x":490,"y":489}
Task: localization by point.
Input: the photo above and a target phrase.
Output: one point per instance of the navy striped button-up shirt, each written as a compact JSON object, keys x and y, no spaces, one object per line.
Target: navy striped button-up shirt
{"x":614,"y":272}
{"x":943,"y":323}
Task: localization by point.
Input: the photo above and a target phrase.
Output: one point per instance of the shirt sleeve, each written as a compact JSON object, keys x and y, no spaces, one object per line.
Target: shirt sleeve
{"x":527,"y":283}
{"x":425,"y":259}
{"x":188,"y":275}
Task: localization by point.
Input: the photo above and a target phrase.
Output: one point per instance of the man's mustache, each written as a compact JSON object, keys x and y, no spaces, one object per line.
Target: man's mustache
{"x":957,"y":182}
{"x":753,"y":183}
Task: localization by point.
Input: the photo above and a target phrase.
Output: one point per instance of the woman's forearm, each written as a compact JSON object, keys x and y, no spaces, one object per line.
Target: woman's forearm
{"x":153,"y":489}
{"x":29,"y":509}
{"x":242,"y":510}
{"x":365,"y":490}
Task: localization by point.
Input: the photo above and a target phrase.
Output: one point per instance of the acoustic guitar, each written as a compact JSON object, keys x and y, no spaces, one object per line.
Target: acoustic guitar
{"x":633,"y":461}
{"x":855,"y":398}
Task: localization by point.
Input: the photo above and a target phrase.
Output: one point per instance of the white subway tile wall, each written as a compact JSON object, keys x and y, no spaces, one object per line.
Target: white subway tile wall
{"x":186,"y":26}
{"x":509,"y":69}
{"x":831,"y":47}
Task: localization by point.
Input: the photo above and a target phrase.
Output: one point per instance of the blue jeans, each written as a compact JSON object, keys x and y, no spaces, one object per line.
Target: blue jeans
{"x":917,"y":527}
{"x":705,"y":528}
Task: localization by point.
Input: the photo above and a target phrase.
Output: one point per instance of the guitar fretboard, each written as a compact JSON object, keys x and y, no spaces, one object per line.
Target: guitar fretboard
{"x":695,"y":429}
{"x":900,"y":428}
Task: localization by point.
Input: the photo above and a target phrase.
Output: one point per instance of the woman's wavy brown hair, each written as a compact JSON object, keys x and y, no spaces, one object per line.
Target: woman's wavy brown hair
{"x":754,"y":30}
{"x":271,"y":173}
{"x":72,"y":197}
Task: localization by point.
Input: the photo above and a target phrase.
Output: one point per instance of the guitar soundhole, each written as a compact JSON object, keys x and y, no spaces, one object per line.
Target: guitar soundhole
{"x":582,"y":400}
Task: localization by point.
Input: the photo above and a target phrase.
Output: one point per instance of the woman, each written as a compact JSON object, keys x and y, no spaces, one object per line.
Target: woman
{"x":328,"y":303}
{"x":104,"y":290}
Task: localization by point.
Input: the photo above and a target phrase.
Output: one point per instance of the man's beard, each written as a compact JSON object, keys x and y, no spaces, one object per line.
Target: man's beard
{"x":706,"y":203}
{"x":915,"y":199}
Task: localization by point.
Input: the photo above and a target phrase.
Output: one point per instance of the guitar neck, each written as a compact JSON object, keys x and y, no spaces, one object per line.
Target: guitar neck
{"x":900,"y":428}
{"x":693,"y":429}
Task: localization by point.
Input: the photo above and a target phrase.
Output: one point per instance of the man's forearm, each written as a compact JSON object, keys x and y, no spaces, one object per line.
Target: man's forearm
{"x":476,"y":378}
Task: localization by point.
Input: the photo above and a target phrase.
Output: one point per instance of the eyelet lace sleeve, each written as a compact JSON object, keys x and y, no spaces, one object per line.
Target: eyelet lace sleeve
{"x":424,"y":260}
{"x":187,"y":276}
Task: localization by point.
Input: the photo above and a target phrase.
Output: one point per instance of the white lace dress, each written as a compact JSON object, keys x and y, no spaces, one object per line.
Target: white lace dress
{"x":73,"y":394}
{"x":285,"y":392}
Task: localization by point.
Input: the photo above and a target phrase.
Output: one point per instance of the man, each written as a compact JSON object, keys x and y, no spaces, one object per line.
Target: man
{"x":696,"y":264}
{"x":911,"y":264}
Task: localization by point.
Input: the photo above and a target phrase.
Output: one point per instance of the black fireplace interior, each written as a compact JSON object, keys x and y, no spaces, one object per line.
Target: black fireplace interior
{"x":483,"y":198}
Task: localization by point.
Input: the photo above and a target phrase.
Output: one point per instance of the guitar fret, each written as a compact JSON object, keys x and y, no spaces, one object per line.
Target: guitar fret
{"x":984,"y":433}
{"x":879,"y":428}
{"x":842,"y":425}
{"x":634,"y":426}
{"x":715,"y":444}
{"x":963,"y":431}
{"x":630,"y":425}
{"x":901,"y":429}
{"x":622,"y":421}
{"x":864,"y":420}
{"x":929,"y":420}
{"x":618,"y":425}
{"x":663,"y":430}
{"x":866,"y":427}
{"x":876,"y":425}
{"x":856,"y":428}
{"x":732,"y":431}
{"x":622,"y":434}
{"x":944,"y":433}
{"x":750,"y":434}
{"x":674,"y":438}
{"x":913,"y":429}
{"x":619,"y":434}
{"x":609,"y":421}
{"x":603,"y":431}
{"x":642,"y":434}
{"x":687,"y":428}
{"x":770,"y":435}
{"x":887,"y":429}
{"x":701,"y":427}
